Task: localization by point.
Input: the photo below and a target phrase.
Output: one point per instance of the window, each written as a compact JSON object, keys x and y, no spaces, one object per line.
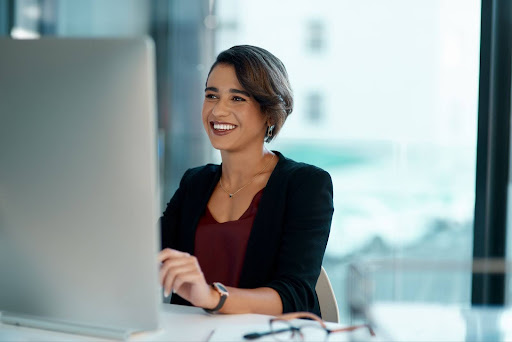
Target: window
{"x":395,"y":98}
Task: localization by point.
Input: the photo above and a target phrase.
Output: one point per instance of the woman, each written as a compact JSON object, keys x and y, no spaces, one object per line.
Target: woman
{"x":257,"y":225}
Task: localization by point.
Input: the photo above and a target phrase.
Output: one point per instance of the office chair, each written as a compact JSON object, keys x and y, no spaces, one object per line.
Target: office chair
{"x":326,"y":298}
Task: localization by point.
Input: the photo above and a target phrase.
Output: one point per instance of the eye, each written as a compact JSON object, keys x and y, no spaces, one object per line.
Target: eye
{"x":238,"y":99}
{"x":211,"y":96}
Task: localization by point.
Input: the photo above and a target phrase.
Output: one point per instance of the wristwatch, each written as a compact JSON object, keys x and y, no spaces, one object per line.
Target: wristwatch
{"x":221,"y":289}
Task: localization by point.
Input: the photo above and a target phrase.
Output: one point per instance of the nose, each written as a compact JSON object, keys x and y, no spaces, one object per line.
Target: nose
{"x":220,"y":109}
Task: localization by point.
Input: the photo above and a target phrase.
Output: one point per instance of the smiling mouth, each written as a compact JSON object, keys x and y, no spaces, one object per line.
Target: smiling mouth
{"x":222,"y":127}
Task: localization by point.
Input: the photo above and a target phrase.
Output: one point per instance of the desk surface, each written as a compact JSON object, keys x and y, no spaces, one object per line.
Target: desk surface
{"x":177,"y":323}
{"x":393,"y":321}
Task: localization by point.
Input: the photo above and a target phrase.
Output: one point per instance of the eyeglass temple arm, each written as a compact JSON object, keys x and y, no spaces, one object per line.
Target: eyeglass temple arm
{"x":354,"y":327}
{"x":300,"y":315}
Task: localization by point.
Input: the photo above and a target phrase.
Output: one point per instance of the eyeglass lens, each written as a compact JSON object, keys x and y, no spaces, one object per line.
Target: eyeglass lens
{"x":284,"y":331}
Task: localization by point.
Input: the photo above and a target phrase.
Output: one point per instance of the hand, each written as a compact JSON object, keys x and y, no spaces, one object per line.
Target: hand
{"x":181,"y":273}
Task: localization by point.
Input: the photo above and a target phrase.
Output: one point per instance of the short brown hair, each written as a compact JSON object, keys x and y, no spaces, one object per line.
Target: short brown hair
{"x":264,"y":76}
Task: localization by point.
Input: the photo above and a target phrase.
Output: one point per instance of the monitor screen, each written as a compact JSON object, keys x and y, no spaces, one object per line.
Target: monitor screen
{"x":79,"y":203}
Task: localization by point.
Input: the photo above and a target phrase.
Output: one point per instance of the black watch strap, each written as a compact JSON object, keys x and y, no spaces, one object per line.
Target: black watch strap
{"x":223,"y":296}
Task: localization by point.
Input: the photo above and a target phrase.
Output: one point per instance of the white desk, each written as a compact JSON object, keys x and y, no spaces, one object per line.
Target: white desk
{"x":178,"y":323}
{"x":394,"y":321}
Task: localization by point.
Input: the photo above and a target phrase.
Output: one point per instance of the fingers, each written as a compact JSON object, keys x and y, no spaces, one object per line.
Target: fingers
{"x":171,"y":264}
{"x":177,"y":277}
{"x":189,"y":278}
{"x":169,"y":253}
{"x":178,"y":268}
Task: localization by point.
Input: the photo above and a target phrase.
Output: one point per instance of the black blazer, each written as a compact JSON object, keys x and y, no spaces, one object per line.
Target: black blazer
{"x":288,"y":239}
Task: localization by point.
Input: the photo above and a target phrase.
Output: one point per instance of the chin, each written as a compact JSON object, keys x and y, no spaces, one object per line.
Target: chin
{"x":224,"y":147}
{"x":218,"y":146}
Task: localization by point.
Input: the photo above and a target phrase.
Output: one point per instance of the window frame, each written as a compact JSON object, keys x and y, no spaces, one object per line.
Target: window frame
{"x":493,"y":148}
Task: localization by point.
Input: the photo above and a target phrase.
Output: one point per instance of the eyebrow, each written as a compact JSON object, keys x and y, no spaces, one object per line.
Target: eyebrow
{"x":232,"y":91}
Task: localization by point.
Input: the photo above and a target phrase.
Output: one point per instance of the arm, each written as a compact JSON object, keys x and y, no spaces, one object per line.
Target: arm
{"x":304,"y":239}
{"x":262,"y":300}
{"x":181,"y":271}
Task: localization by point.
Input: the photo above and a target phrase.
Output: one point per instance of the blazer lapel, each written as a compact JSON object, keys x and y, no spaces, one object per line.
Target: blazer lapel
{"x":201,"y":193}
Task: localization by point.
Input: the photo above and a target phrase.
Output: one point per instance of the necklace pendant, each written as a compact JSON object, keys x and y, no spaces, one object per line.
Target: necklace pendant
{"x":230,"y":195}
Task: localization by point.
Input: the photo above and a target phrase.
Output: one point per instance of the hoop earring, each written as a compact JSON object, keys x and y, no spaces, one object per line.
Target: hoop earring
{"x":269,"y":133}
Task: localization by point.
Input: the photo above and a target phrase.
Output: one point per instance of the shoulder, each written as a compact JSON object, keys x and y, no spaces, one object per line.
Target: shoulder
{"x":301,"y":172}
{"x":307,"y":191}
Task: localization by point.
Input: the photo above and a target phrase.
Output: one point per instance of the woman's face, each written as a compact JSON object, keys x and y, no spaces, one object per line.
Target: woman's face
{"x":231,"y":116}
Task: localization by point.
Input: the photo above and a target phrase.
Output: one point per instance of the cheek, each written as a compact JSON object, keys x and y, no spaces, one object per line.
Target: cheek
{"x":257,"y":118}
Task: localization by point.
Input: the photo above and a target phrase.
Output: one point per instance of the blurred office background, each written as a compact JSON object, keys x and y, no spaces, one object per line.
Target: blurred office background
{"x":386,"y":101}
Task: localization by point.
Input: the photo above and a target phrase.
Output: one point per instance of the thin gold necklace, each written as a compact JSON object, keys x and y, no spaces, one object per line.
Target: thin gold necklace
{"x":252,"y":179}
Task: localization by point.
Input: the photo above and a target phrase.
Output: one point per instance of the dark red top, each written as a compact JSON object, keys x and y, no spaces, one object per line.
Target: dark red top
{"x":220,"y":247}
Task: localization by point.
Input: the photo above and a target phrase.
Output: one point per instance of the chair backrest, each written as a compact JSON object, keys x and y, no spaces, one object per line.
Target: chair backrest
{"x":326,"y":298}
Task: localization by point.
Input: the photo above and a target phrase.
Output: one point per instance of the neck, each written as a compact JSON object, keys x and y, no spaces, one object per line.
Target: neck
{"x":239,"y":167}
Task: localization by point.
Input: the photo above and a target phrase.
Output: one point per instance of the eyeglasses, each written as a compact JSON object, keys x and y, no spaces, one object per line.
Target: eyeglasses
{"x":314,"y":330}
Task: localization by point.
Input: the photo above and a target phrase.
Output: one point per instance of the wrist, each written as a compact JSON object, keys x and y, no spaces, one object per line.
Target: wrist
{"x":220,"y":296}
{"x":213,"y":299}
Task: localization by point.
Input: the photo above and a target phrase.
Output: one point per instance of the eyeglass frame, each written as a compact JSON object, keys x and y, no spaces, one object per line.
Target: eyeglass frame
{"x":298,"y":315}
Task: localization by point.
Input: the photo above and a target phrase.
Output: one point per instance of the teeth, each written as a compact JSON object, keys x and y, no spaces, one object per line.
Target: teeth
{"x":223,"y":127}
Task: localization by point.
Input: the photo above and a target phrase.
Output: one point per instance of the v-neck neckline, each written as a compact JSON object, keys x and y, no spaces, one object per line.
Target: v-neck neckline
{"x":244,"y":213}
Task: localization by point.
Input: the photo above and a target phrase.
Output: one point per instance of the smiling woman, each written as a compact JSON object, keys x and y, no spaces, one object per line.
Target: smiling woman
{"x":256,"y":226}
{"x":230,"y":110}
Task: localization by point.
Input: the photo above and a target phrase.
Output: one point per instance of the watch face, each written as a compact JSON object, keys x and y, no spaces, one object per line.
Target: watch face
{"x":221,"y":287}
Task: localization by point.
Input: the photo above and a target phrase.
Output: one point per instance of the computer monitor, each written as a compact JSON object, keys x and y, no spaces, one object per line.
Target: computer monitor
{"x":78,"y":185}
